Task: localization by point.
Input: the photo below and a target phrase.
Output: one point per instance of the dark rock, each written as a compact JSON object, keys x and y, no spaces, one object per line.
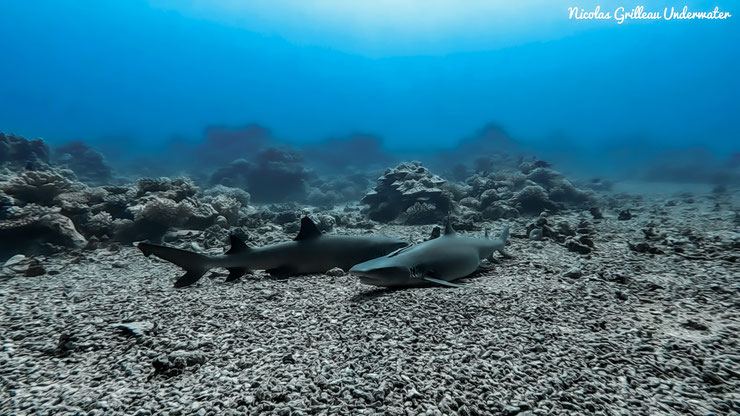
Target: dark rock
{"x":625,"y":215}
{"x":711,"y":378}
{"x":596,"y":213}
{"x":35,"y":269}
{"x":335,"y":272}
{"x":577,"y":247}
{"x":136,"y":329}
{"x":644,"y":248}
{"x":586,"y":240}
{"x":574,"y":273}
{"x":512,"y":410}
{"x":66,"y":345}
{"x":176,"y":362}
{"x":695,"y":325}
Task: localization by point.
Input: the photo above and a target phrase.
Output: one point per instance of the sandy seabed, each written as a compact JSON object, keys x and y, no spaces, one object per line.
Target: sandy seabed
{"x":618,"y":331}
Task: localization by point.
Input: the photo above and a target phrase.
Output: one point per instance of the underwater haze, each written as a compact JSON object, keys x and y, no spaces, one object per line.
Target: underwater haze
{"x":133,"y":77}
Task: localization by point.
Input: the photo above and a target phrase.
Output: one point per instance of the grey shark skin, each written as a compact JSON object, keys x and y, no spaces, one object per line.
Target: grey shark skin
{"x":438,"y":261}
{"x":310,"y":252}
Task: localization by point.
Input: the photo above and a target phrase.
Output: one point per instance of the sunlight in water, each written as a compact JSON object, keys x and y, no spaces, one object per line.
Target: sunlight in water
{"x":384,"y":27}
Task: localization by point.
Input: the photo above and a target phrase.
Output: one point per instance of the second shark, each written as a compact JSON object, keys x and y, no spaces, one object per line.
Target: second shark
{"x":438,"y":261}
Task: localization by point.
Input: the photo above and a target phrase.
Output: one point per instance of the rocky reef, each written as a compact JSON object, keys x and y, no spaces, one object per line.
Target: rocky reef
{"x":63,"y":203}
{"x":88,"y":164}
{"x":17,"y":152}
{"x":44,"y":211}
{"x":411,"y":194}
{"x":276,"y":174}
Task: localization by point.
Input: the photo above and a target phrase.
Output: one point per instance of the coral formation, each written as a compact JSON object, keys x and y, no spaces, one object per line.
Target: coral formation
{"x":278,"y":175}
{"x":21,"y":153}
{"x":411,"y":194}
{"x":88,"y":164}
{"x":51,"y":206}
{"x":37,"y":186}
{"x":275,"y":175}
{"x":235,"y":174}
{"x":531,"y":189}
{"x":35,"y":229}
{"x":409,"y":186}
{"x":229,"y":203}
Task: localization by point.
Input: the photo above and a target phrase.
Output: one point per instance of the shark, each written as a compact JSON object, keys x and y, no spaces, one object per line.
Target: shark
{"x":311,"y":251}
{"x":438,"y":261}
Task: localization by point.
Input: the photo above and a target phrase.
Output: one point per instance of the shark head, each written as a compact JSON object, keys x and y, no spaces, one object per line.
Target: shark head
{"x":382,"y":276}
{"x":385,"y":271}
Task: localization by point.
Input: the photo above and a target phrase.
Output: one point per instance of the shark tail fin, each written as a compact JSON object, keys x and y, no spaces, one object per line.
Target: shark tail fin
{"x":195,"y":265}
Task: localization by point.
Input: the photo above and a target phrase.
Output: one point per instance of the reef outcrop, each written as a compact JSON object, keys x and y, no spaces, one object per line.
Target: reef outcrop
{"x":411,"y":193}
{"x":88,"y":164}
{"x":17,"y":152}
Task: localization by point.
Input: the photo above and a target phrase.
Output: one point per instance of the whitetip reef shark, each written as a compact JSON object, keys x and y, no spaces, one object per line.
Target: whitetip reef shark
{"x":310,"y":252}
{"x":438,"y":261}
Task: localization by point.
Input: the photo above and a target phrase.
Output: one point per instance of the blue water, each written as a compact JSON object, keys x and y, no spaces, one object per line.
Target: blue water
{"x":132,"y":77}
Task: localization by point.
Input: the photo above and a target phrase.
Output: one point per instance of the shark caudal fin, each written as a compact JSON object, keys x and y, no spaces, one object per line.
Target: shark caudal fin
{"x":195,"y":265}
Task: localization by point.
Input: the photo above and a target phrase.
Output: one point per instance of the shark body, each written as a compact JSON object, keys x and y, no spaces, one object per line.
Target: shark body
{"x":310,"y":252}
{"x":438,"y":261}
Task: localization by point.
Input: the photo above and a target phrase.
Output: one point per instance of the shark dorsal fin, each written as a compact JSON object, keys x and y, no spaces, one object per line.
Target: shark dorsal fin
{"x":308,"y":230}
{"x":448,"y":227}
{"x":237,"y":245}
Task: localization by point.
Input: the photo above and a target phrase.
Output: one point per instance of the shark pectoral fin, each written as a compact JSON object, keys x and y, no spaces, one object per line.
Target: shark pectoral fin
{"x":440,"y":282}
{"x":235,"y":273}
{"x":190,"y":277}
{"x":282,"y":272}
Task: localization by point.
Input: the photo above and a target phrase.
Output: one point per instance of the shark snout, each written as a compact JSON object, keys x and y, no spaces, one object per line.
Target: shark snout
{"x":380,"y":276}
